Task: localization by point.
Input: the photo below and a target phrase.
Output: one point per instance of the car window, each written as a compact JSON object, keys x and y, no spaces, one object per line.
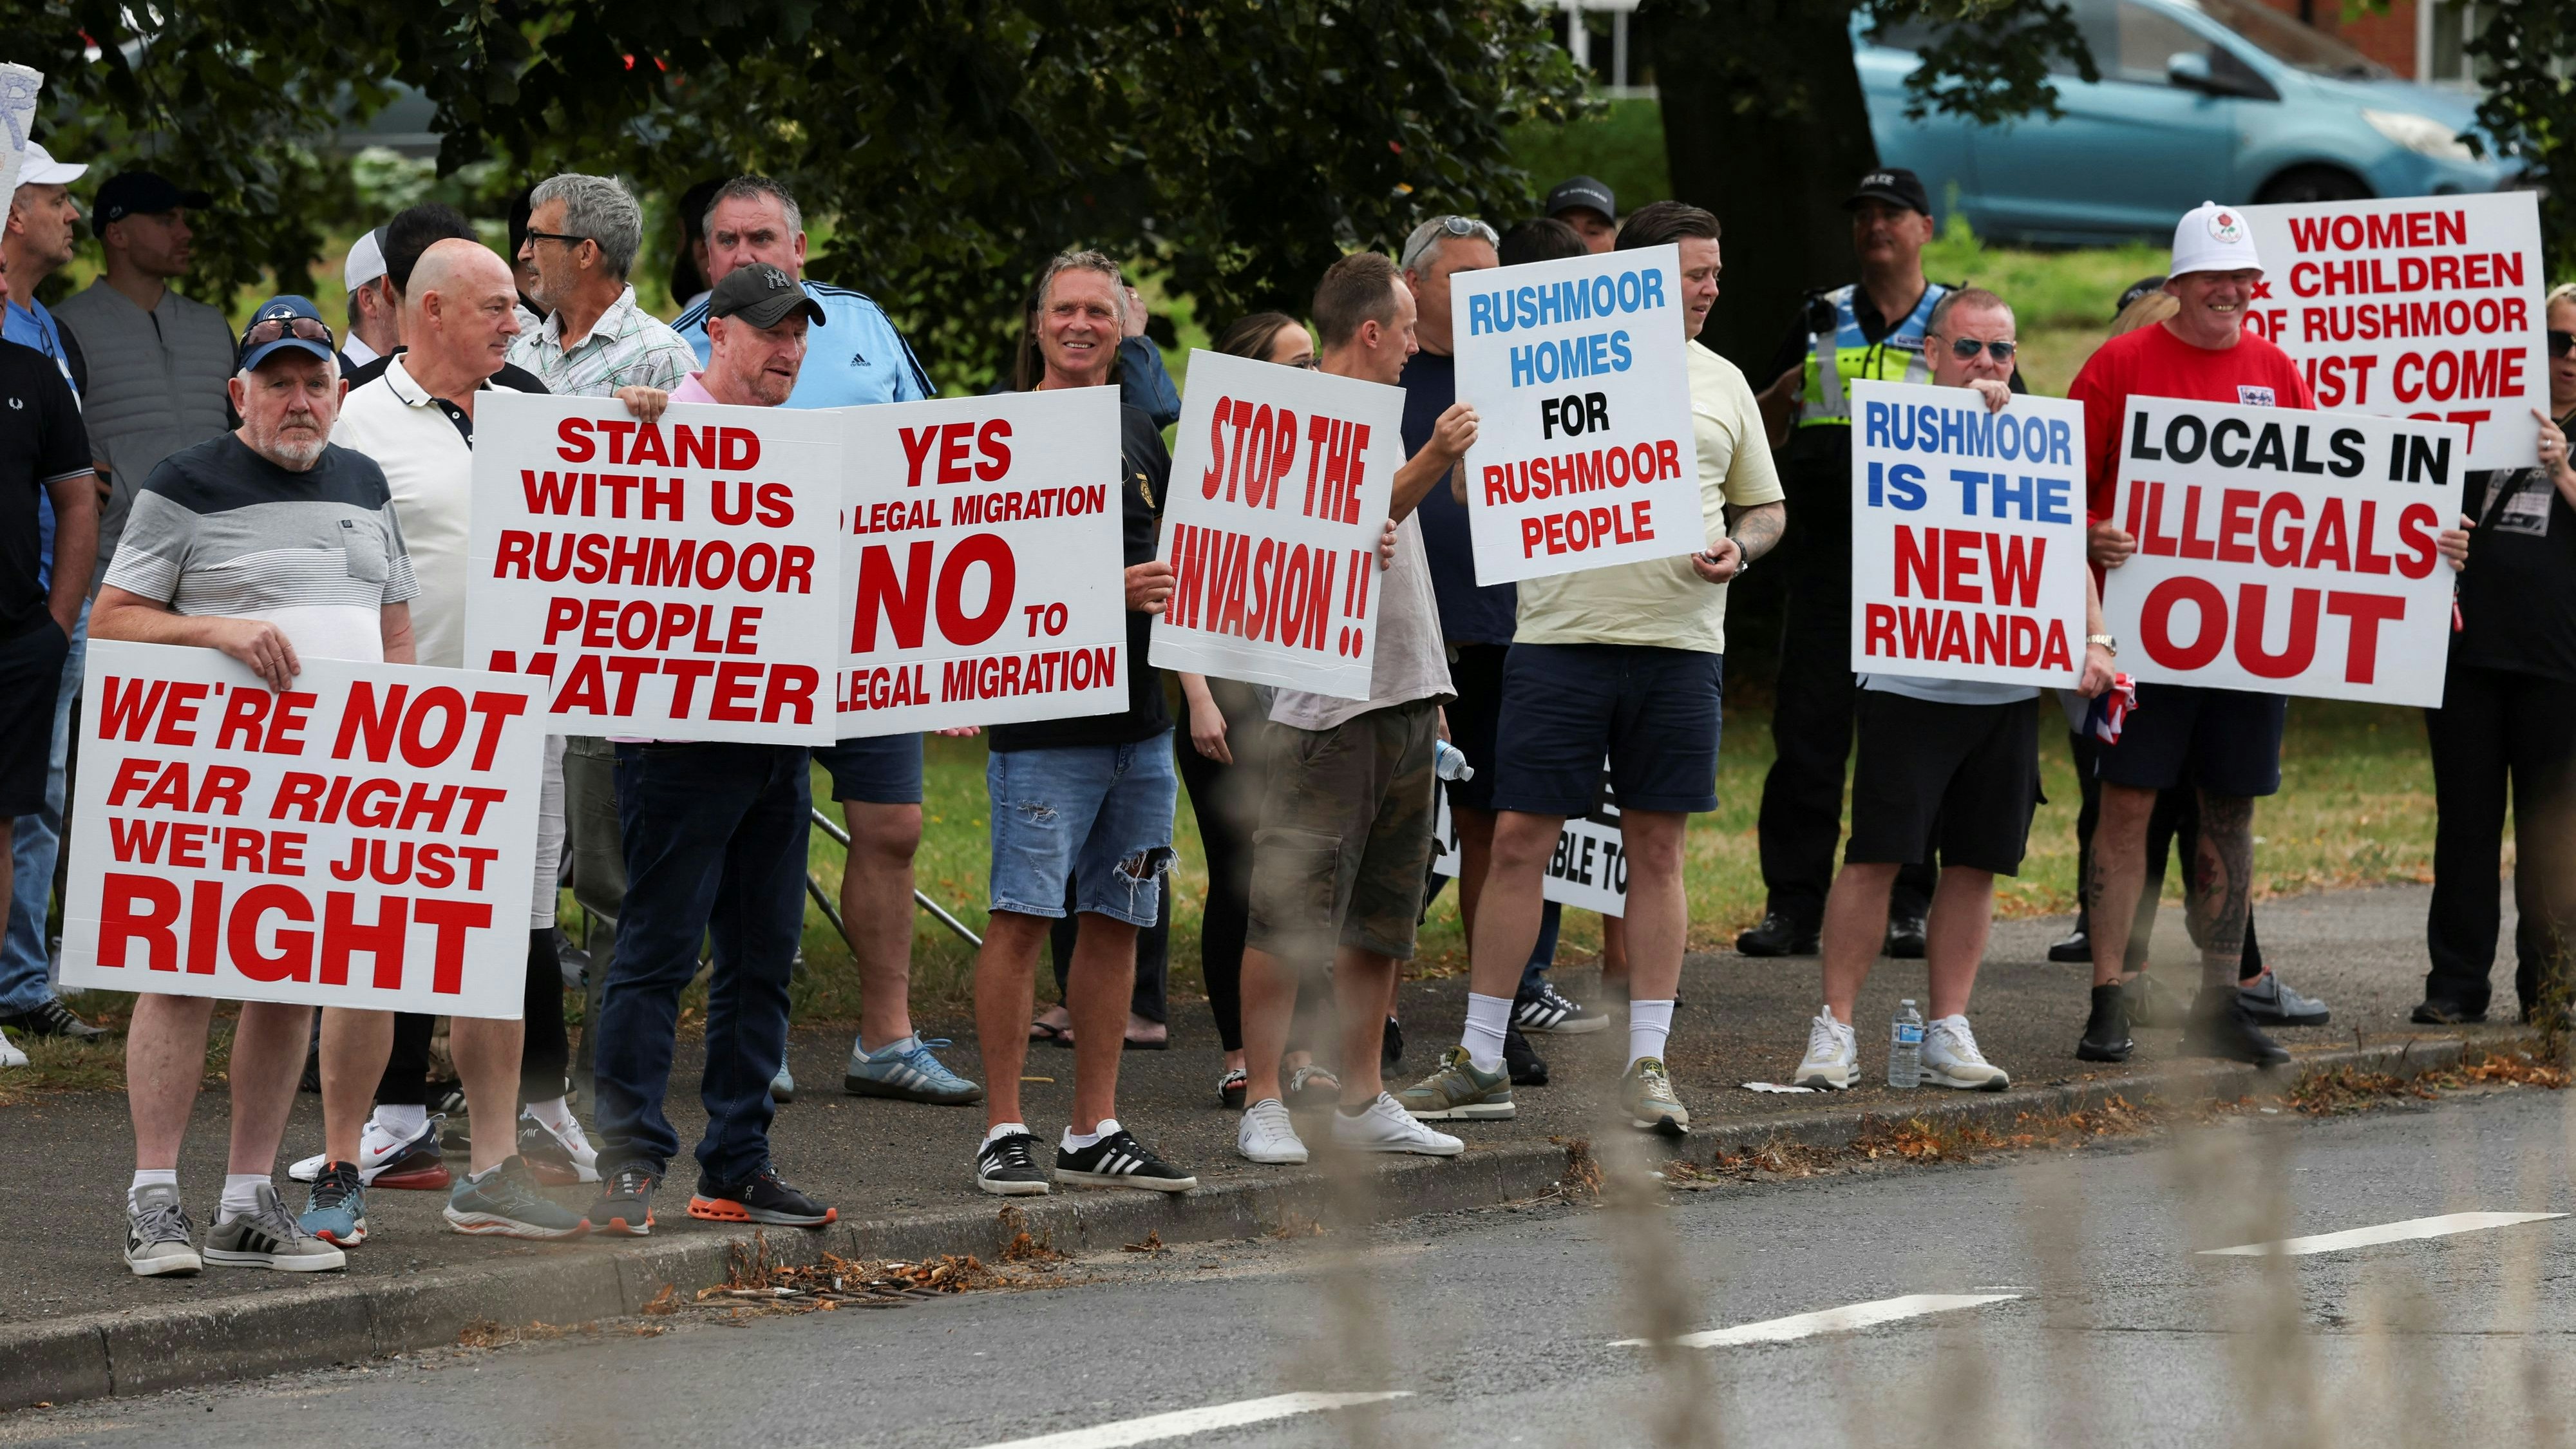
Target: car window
{"x":2148,"y":40}
{"x":2286,"y":40}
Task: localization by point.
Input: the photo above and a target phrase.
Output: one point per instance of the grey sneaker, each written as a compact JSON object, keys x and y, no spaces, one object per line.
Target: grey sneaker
{"x":782,"y":1088}
{"x":158,"y":1235}
{"x":1458,"y":1092}
{"x":266,"y":1237}
{"x":1646,"y":1095}
{"x":2273,"y":1003}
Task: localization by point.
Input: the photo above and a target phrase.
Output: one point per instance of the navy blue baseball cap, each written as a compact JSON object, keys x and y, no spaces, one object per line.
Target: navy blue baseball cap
{"x":288,"y":321}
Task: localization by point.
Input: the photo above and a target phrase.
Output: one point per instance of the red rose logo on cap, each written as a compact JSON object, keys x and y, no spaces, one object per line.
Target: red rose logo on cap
{"x":2226,"y":228}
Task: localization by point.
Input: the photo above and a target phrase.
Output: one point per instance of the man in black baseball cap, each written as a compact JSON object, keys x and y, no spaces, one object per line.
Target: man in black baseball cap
{"x":1894,"y":186}
{"x":756,"y":321}
{"x":1587,"y":206}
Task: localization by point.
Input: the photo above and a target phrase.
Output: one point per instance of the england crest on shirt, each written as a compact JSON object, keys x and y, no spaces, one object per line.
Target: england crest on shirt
{"x":2254,"y":397}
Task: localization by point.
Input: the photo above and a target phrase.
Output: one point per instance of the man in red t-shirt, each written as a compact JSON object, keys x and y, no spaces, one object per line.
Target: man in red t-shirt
{"x":2224,"y":742}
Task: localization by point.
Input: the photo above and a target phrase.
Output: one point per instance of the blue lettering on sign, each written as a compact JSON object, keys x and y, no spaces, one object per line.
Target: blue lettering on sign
{"x":1966,"y":432}
{"x":1555,"y":304}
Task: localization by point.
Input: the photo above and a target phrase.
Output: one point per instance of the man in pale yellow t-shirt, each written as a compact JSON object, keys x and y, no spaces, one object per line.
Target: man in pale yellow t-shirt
{"x":1625,"y":661}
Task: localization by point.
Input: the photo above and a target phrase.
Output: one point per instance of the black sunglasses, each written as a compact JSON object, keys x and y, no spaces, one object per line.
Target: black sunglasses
{"x":2561,"y":343}
{"x":265,"y":332}
{"x":566,"y":239}
{"x":1966,"y":349}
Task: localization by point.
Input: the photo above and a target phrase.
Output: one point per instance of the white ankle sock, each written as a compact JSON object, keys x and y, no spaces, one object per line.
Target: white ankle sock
{"x":1488,"y":1017}
{"x":401,"y":1123}
{"x":1649,"y":1022}
{"x":1008,"y":1129}
{"x":150,"y":1177}
{"x":898,"y":1046}
{"x":1076,"y":1141}
{"x":241,"y":1194}
{"x":555,"y":1116}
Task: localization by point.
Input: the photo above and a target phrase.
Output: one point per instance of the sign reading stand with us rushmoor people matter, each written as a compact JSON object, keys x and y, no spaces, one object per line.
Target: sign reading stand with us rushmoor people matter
{"x":981,"y":565}
{"x":366,"y":838}
{"x":1584,"y":453}
{"x":2285,"y":551}
{"x":674,"y":580}
{"x":1967,"y":536}
{"x":1280,"y":489}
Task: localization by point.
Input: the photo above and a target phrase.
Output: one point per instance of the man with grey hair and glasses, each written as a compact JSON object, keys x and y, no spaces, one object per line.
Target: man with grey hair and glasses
{"x":583,"y":232}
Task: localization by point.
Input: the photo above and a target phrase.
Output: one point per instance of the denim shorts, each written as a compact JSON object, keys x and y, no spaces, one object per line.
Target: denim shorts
{"x":1101,"y":814}
{"x":1653,"y":711}
{"x":874,"y":770}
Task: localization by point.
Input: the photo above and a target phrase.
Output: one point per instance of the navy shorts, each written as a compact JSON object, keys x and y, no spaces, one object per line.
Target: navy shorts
{"x":2225,"y":741}
{"x":1477,"y":675}
{"x":875,"y":770}
{"x":31,"y":680}
{"x":1653,"y":711}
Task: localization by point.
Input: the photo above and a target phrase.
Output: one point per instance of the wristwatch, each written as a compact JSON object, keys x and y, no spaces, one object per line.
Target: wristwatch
{"x":2109,"y":644}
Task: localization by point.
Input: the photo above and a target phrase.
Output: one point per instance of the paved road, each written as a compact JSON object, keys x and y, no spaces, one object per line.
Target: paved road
{"x":2085,"y":1311}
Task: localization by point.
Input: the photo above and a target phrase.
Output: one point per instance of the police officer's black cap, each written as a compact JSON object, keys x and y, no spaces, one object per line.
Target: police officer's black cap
{"x":763,"y":296}
{"x":1894,"y":185}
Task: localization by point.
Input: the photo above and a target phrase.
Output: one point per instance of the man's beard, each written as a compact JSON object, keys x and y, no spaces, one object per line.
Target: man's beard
{"x":295,"y":451}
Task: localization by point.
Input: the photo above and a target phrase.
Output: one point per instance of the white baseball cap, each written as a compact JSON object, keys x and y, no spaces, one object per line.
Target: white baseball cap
{"x":366,"y":260}
{"x":2213,"y":238}
{"x":37,"y":167}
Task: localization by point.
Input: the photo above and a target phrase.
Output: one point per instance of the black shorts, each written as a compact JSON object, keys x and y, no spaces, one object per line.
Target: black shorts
{"x":1477,"y":675}
{"x":1960,"y":777}
{"x":1653,"y":711}
{"x":2225,"y":741}
{"x":31,"y":680}
{"x":875,"y":770}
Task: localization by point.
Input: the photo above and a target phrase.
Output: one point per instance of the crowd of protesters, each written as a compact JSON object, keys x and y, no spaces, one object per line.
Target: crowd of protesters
{"x":297,"y":490}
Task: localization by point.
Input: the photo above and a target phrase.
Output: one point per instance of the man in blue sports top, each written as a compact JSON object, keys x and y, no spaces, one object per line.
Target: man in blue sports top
{"x":857,"y":357}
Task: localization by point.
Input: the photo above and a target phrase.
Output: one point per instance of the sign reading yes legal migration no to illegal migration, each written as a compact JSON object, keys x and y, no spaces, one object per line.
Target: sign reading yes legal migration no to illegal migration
{"x":1276,"y":590}
{"x":2285,"y":551}
{"x":366,"y":838}
{"x":2419,"y":307}
{"x":676,"y":579}
{"x":1584,"y":454}
{"x":1967,"y":536}
{"x":980,"y":563}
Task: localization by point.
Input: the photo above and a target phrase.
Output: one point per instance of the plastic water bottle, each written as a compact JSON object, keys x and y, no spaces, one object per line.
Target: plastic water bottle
{"x":1905,"y":1047}
{"x":1450,"y":762}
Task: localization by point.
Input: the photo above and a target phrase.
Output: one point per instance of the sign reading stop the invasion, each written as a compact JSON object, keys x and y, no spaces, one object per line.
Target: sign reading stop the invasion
{"x":1584,"y":454}
{"x":2419,"y":307}
{"x":980,"y":563}
{"x":675,"y":579}
{"x":1279,"y":492}
{"x":1967,"y":536}
{"x":365,"y":838}
{"x":2287,"y":552}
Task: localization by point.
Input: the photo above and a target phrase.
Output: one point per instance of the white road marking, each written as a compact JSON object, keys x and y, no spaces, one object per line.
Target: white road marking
{"x":1195,"y":1421}
{"x":1832,"y":1320}
{"x":2407,"y":1231}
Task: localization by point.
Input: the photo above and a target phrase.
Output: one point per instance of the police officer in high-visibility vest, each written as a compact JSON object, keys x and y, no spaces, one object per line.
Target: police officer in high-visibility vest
{"x":1872,"y":328}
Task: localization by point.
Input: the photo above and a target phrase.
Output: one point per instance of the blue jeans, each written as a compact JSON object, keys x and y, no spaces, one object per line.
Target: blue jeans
{"x":715,"y":847}
{"x":25,"y":959}
{"x":1096,"y":816}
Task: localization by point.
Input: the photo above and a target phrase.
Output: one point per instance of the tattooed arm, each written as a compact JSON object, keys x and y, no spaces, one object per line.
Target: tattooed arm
{"x":1750,"y":534}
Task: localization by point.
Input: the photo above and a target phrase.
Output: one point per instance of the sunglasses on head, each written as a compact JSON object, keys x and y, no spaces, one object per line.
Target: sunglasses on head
{"x":2561,"y":343}
{"x":1966,"y":349}
{"x":265,"y":332}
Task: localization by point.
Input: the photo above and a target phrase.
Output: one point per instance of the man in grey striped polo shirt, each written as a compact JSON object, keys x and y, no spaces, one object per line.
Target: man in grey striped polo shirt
{"x":267,"y":543}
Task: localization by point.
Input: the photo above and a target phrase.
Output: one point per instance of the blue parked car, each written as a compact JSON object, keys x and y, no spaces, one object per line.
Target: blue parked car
{"x":2199,"y":100}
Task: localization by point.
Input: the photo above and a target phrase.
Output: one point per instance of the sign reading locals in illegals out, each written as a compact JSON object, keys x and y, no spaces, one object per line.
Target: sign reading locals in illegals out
{"x":1280,"y":490}
{"x":676,"y":580}
{"x":981,"y":569}
{"x":1584,"y":454}
{"x":1967,"y":536}
{"x":365,"y":838}
{"x":2285,"y":551}
{"x":1589,"y":870}
{"x":2419,"y":307}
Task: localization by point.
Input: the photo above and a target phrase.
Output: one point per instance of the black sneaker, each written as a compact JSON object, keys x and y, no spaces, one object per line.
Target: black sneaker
{"x":1391,"y":1049}
{"x":1905,"y":938}
{"x":1546,"y":1010}
{"x":1009,"y":1166}
{"x":2106,"y":1032}
{"x":760,"y":1198}
{"x":2432,"y":1011}
{"x":1119,"y":1160}
{"x":1777,"y":936}
{"x":2223,"y":1028}
{"x":2075,"y":948}
{"x":1527,"y":1067}
{"x":53,"y":1019}
{"x":625,"y":1206}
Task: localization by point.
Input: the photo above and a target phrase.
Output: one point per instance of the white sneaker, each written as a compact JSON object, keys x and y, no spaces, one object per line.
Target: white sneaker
{"x":10,"y":1056}
{"x":557,"y":1159}
{"x":378,"y":1150}
{"x":1951,"y":1058}
{"x":1266,"y":1134}
{"x":1833,"y":1054}
{"x":1387,"y":1127}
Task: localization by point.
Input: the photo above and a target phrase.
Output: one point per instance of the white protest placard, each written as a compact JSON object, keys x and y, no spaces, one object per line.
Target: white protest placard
{"x":1280,"y":488}
{"x":675,"y":580}
{"x":1589,"y":870}
{"x":2285,"y":551}
{"x":366,"y":838}
{"x":982,"y":580}
{"x":19,"y":86}
{"x":1584,"y":454}
{"x":1967,"y":536}
{"x":2426,"y":307}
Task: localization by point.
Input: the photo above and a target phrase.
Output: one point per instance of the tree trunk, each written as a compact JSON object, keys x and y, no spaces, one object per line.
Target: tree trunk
{"x":1765,"y":125}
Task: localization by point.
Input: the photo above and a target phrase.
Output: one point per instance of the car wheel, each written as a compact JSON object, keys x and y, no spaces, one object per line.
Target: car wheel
{"x":2314,"y":183}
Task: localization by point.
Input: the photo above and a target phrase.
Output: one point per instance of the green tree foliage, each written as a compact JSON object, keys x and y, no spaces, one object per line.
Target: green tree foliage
{"x":1237,"y":145}
{"x":2525,"y":54}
